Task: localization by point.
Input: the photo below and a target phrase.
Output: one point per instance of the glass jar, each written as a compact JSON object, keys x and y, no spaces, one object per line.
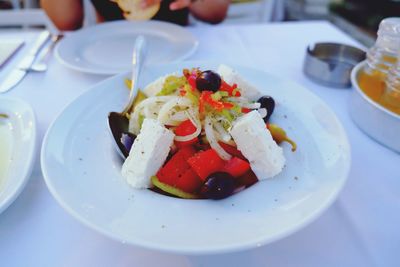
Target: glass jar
{"x":391,"y":95}
{"x":380,"y":58}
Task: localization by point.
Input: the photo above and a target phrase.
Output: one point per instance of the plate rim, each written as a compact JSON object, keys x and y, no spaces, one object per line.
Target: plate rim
{"x":32,"y":152}
{"x":181,"y":250}
{"x":76,"y":67}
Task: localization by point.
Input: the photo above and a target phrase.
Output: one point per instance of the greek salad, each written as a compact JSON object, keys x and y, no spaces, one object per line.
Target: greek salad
{"x":202,"y":134}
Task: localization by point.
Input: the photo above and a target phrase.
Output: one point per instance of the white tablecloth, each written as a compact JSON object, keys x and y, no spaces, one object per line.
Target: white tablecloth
{"x":360,"y":229}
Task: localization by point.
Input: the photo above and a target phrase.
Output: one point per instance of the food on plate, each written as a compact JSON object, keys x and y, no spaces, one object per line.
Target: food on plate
{"x":256,"y":144}
{"x":202,"y":134}
{"x":279,"y":135}
{"x":268,"y":103}
{"x":132,"y":9}
{"x":148,"y":153}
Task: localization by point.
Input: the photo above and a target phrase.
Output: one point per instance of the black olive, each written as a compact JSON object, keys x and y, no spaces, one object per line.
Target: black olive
{"x":218,"y":185}
{"x":208,"y":81}
{"x":268,"y":103}
{"x":127,"y":140}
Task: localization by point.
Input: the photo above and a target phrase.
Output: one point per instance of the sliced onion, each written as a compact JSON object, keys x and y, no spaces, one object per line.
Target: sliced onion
{"x":148,"y":112}
{"x":179,"y":116}
{"x":133,"y":128}
{"x":154,"y":100}
{"x":213,"y":141}
{"x":237,"y":99}
{"x":223,"y":134}
{"x":193,"y":115}
{"x":189,"y":137}
{"x":172,"y":123}
{"x":230,"y":142}
{"x":148,"y":102}
{"x":220,"y":119}
{"x":250,"y":105}
{"x":244,"y":102}
{"x":164,"y":112}
{"x":263,"y":112}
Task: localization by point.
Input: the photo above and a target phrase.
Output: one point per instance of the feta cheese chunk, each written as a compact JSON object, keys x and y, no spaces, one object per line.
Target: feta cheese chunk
{"x":255,"y":142}
{"x":231,"y":76}
{"x":148,"y":153}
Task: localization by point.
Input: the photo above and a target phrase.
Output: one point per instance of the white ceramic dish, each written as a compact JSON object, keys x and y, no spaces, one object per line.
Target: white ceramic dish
{"x":376,"y":121}
{"x":17,"y":148}
{"x":107,"y":48}
{"x":82,"y":171}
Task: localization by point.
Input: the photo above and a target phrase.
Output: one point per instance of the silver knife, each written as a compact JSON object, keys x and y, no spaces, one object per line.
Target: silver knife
{"x":21,"y":70}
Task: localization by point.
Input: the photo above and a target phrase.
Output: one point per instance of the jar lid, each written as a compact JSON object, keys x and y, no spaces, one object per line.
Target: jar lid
{"x":390,"y":26}
{"x":389,"y":35}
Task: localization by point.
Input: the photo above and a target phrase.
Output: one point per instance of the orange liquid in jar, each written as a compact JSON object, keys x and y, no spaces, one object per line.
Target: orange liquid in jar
{"x":372,"y":83}
{"x":391,"y":101}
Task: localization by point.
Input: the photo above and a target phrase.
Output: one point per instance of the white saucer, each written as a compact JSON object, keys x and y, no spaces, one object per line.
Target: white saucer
{"x":17,"y":148}
{"x":107,"y":48}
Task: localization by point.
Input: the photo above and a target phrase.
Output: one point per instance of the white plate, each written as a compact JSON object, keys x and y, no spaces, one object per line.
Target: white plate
{"x":107,"y":47}
{"x":17,"y":148}
{"x":82,"y":171}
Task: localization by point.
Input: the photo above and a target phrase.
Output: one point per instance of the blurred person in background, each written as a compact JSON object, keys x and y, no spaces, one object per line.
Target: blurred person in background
{"x":69,"y":14}
{"x":366,"y":13}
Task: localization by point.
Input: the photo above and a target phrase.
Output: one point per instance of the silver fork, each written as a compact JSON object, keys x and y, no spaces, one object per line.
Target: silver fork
{"x":40,"y":64}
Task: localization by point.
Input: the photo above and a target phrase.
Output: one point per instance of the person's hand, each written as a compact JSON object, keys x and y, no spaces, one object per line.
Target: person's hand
{"x":177,"y":4}
{"x":147,"y":3}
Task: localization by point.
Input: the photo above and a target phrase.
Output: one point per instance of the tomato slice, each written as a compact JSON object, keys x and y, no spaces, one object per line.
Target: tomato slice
{"x":189,"y":182}
{"x":228,"y":105}
{"x":206,"y":99}
{"x":178,"y":173}
{"x":192,"y":81}
{"x":246,"y":110}
{"x":183,"y":129}
{"x":247,"y":179}
{"x":236,"y":167}
{"x":232,"y":90}
{"x":176,"y":166}
{"x":232,"y":150}
{"x":206,"y":162}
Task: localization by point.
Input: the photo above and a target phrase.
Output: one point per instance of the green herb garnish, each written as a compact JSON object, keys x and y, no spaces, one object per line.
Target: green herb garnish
{"x":171,"y":84}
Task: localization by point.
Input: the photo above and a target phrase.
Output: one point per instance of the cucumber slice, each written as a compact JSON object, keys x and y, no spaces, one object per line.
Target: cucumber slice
{"x":171,"y":190}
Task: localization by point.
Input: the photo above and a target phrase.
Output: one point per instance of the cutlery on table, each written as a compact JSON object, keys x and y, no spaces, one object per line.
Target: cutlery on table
{"x":21,"y":70}
{"x":117,"y":121}
{"x":8,"y":49}
{"x":40,"y":65}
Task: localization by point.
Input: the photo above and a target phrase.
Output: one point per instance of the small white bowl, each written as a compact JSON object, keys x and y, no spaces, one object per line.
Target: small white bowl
{"x":375,"y":120}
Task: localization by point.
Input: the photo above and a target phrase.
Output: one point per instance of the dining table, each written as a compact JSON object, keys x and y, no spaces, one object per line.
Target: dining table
{"x":361,"y":228}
